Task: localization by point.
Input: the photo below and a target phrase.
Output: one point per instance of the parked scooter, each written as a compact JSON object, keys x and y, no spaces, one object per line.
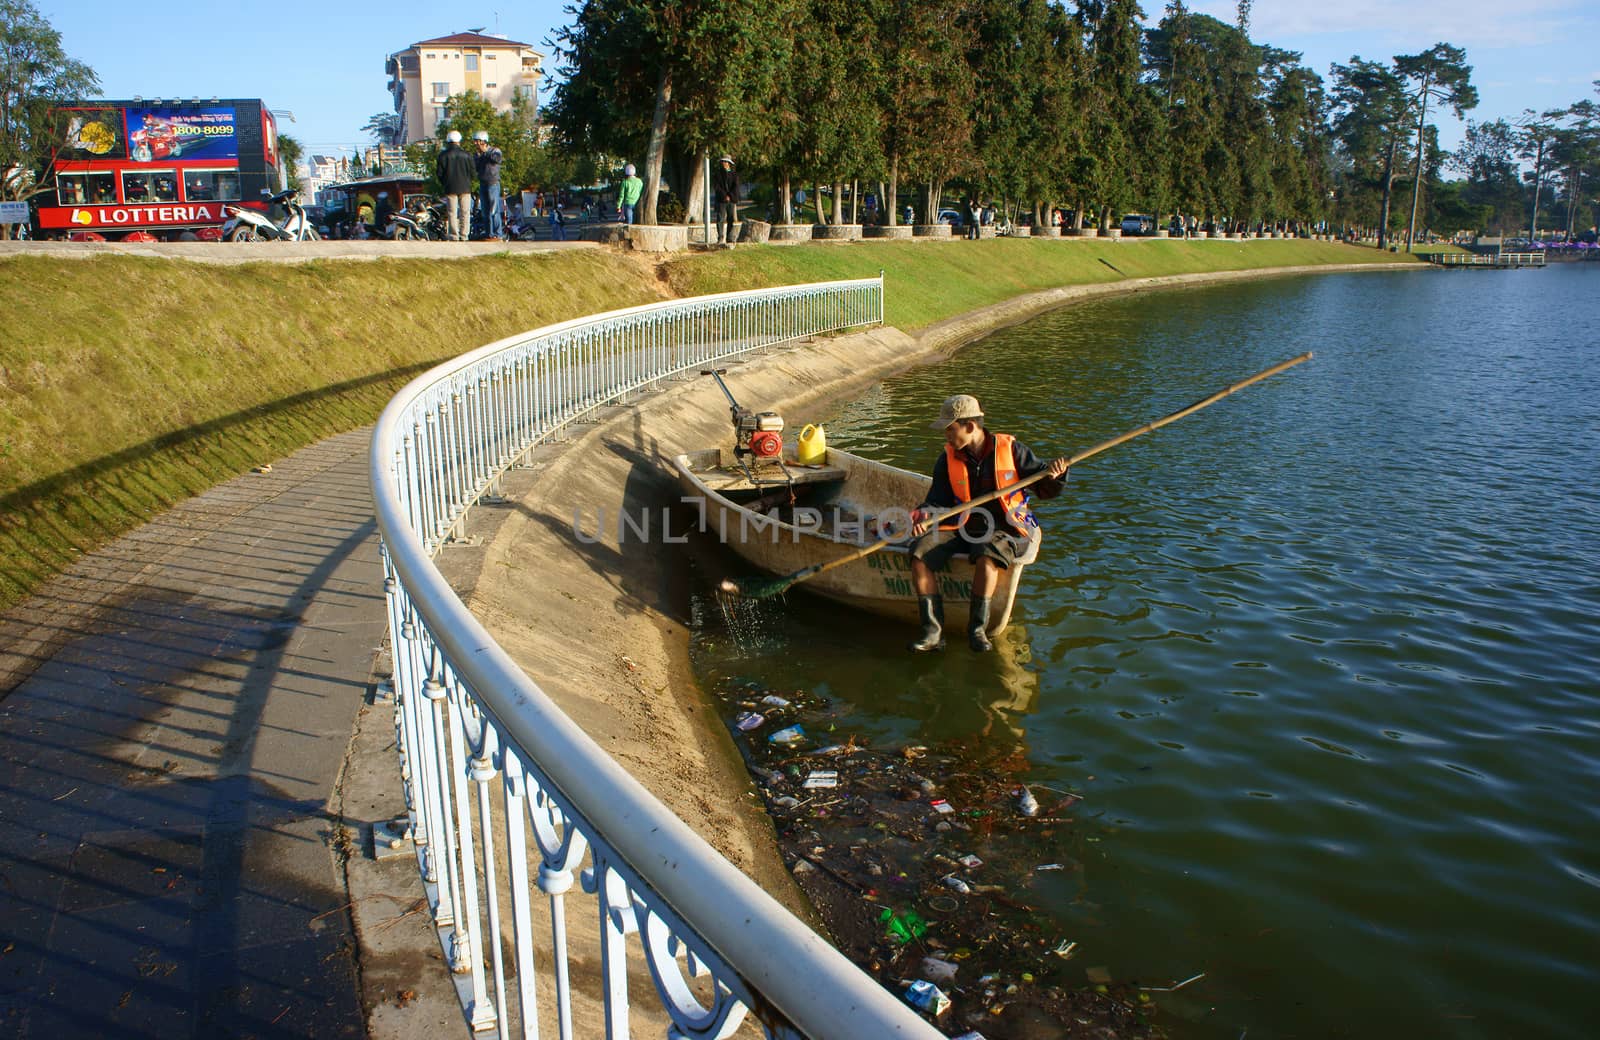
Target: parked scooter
{"x":421,"y":220}
{"x":247,"y":225}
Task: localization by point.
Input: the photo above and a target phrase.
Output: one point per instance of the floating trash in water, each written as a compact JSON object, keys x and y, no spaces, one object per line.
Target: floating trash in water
{"x":938,"y":970}
{"x":941,"y":806}
{"x":1050,"y":866}
{"x":1064,"y":949}
{"x":789,"y":736}
{"x":925,"y":996}
{"x":903,"y":925}
{"x":772,"y":700}
{"x":970,"y":861}
{"x":1027,"y":804}
{"x":956,"y":884}
{"x":823,"y":778}
{"x":748,"y":720}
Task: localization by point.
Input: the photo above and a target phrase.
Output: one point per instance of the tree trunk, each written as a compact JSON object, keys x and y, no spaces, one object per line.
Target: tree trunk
{"x":694,"y":200}
{"x":816,"y":201}
{"x":1416,"y":184}
{"x":886,"y":200}
{"x":1538,"y":173}
{"x":787,"y":209}
{"x":1573,"y":198}
{"x":893,"y":191}
{"x":855,"y":201}
{"x":1388,"y":193}
{"x":838,"y":202}
{"x":656,"y":149}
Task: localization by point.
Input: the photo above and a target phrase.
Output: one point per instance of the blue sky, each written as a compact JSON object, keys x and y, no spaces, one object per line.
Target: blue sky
{"x":326,"y":65}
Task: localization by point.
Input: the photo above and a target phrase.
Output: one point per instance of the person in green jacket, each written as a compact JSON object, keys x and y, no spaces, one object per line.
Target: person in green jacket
{"x":628,"y":194}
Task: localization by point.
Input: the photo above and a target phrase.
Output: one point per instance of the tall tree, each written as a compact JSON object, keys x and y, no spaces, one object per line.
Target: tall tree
{"x":927,"y":94}
{"x":1439,"y":75}
{"x":512,"y":132}
{"x":1112,"y":166}
{"x":35,"y":76}
{"x":1534,"y":133}
{"x":1297,"y":109}
{"x":290,"y":153}
{"x":1488,"y":160}
{"x":700,"y":68}
{"x":1370,"y":115}
{"x":384,"y":127}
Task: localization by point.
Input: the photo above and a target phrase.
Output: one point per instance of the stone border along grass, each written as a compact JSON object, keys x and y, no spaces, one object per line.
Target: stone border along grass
{"x":131,"y":383}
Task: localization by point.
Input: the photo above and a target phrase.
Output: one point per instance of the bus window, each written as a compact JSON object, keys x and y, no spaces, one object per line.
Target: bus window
{"x":150,"y":186}
{"x":211,"y":185}
{"x":82,"y":189}
{"x":135,"y":187}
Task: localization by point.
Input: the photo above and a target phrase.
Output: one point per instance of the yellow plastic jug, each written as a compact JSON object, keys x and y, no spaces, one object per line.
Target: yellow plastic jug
{"x":813,"y":449}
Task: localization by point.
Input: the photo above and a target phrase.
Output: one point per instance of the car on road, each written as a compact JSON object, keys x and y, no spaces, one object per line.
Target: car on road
{"x":951,"y":217}
{"x":1138,"y":224}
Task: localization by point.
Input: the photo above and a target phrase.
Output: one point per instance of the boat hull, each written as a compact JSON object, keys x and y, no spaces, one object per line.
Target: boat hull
{"x":851,"y":496}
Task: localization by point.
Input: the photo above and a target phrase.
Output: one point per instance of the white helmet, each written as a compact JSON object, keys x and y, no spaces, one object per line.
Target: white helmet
{"x":454,"y":137}
{"x":481,"y":135}
{"x":627,"y":171}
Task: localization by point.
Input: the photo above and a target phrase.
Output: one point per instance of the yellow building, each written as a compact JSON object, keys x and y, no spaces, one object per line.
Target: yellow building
{"x":425,"y":75}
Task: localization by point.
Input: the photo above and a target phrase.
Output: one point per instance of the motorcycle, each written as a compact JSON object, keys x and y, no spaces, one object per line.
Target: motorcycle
{"x":421,"y":221}
{"x":248,"y":225}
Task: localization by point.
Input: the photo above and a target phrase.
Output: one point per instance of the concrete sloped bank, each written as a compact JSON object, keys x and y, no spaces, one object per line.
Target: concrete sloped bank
{"x":601,"y":621}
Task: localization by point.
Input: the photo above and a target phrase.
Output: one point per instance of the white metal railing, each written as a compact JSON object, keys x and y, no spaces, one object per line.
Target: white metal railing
{"x":479,"y":740}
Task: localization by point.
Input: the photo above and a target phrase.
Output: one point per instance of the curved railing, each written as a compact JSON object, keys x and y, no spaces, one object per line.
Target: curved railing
{"x":480,"y":742}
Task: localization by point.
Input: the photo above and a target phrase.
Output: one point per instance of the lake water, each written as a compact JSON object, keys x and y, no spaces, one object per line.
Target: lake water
{"x":1323,"y":659}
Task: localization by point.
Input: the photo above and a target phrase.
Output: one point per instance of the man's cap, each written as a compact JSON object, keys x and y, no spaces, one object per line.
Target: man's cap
{"x":481,"y":135}
{"x":454,"y":137}
{"x":955,"y":409}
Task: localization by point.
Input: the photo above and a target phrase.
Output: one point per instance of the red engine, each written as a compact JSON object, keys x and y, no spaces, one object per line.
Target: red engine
{"x":765,"y":444}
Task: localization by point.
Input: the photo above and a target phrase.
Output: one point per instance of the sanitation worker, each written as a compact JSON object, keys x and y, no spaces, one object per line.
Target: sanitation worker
{"x":994,"y":535}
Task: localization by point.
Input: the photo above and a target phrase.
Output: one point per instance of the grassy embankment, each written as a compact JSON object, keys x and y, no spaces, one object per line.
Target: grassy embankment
{"x":128,"y":384}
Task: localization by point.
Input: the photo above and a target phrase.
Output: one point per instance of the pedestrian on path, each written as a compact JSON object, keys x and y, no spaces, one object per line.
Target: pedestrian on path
{"x":454,"y":170}
{"x":488,"y":169}
{"x":628,"y":194}
{"x":725,"y":186}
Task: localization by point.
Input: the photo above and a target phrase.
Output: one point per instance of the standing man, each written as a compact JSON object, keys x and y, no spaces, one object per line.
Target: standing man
{"x":488,"y":163}
{"x":628,"y":194}
{"x":993,"y":536}
{"x":454,"y":170}
{"x":725,"y":187}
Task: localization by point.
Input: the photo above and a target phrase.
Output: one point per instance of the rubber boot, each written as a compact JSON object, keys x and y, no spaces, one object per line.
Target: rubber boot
{"x":931,"y":609}
{"x":977,"y":625}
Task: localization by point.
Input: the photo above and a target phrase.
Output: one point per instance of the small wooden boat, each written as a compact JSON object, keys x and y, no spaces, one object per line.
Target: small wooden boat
{"x":793,"y":516}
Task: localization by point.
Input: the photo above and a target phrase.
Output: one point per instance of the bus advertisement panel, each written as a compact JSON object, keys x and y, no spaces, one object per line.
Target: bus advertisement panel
{"x":159,"y":134}
{"x":87,"y":134}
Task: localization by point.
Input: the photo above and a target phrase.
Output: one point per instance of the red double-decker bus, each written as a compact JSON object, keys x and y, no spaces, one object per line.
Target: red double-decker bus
{"x":158,"y":168}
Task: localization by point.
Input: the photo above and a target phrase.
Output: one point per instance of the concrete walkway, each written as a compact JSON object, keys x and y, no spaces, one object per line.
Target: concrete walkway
{"x":177,"y":714}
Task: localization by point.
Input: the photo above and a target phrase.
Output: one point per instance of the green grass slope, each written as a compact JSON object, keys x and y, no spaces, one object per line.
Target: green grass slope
{"x":128,"y":384}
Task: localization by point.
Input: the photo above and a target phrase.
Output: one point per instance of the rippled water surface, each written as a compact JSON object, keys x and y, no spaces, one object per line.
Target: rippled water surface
{"x":1323,"y":658}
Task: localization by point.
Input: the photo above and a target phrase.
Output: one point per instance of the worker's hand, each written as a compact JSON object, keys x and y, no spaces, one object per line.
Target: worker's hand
{"x":919,"y":522}
{"x":1058,"y":468}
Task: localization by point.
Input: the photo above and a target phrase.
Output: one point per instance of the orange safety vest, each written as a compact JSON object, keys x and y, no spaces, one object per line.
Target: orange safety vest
{"x":1014,"y":505}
